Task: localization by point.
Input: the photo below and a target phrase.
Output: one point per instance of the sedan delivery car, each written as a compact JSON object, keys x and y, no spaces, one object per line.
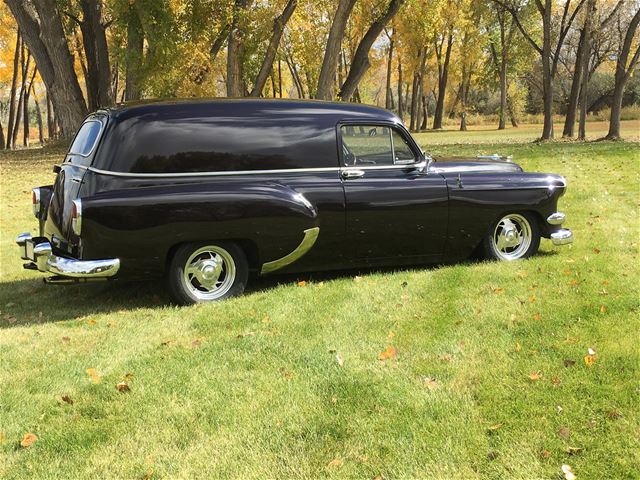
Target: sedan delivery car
{"x":206,"y":192}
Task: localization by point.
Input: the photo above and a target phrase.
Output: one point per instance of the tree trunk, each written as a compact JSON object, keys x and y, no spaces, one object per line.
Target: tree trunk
{"x":235,"y":50}
{"x":360,"y":62}
{"x":25,"y":114}
{"x":45,"y":38}
{"x":414,"y":91}
{"x":512,"y":115}
{"x":576,"y":83}
{"x":332,"y":50}
{"x":624,"y":67}
{"x":388,"y":100}
{"x":443,"y":74}
{"x":14,"y":86}
{"x":51,"y":125}
{"x":24,"y":68}
{"x":280,"y":78}
{"x":400,"y":101}
{"x":267,"y":63}
{"x":97,"y":53}
{"x":295,"y":76}
{"x":547,"y":78}
{"x":134,"y":56}
{"x":2,"y":144}
{"x":425,"y":113}
{"x":39,"y":119}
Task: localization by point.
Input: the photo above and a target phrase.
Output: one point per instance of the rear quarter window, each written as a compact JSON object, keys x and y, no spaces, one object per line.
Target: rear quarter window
{"x":86,"y":139}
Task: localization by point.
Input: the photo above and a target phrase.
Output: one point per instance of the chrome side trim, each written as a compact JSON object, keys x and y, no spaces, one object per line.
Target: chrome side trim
{"x":563,"y":236}
{"x":214,"y":173}
{"x":556,"y":218}
{"x":310,"y":237}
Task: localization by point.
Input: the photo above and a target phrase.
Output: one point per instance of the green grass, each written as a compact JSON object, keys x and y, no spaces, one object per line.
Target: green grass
{"x":250,"y":388}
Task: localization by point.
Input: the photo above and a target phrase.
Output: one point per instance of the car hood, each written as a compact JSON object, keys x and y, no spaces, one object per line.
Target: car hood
{"x":480,"y":164}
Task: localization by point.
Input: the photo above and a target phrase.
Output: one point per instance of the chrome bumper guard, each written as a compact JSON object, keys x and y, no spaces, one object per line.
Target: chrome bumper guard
{"x":38,"y":251}
{"x":564,"y":236}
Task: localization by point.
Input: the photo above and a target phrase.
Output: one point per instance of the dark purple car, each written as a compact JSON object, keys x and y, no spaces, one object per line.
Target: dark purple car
{"x":207,"y":192}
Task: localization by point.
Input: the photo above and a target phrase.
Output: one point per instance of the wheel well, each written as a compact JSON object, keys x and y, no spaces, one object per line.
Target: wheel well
{"x":249,"y":248}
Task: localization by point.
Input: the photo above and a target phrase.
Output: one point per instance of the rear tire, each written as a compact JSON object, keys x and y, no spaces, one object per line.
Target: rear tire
{"x":205,"y":272}
{"x":513,"y":236}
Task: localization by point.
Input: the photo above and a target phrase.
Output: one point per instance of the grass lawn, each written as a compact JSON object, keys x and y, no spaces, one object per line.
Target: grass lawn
{"x":489,"y":379}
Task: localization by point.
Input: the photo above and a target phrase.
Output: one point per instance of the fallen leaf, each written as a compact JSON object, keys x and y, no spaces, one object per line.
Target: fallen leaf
{"x":446,"y":357}
{"x":197,"y":342}
{"x":555,"y":380}
{"x":589,"y":360}
{"x":574,"y":282}
{"x":430,"y":383}
{"x":614,"y":414}
{"x":596,"y":250}
{"x":492,"y":455}
{"x":568,"y":474}
{"x":603,"y":309}
{"x":123,"y":387}
{"x":148,"y":475}
{"x":339,"y":359}
{"x":91,"y":321}
{"x":391,"y":334}
{"x":127,"y":376}
{"x":357,"y":278}
{"x":378,"y":477}
{"x":535,"y":376}
{"x":537,"y":316}
{"x":498,"y":290}
{"x":246,"y":334}
{"x":28,"y":440}
{"x":288,"y":375}
{"x":387,"y":354}
{"x":532,"y":298}
{"x":495,"y":427}
{"x":266,"y":319}
{"x":518,"y":347}
{"x":569,"y":363}
{"x":67,"y":399}
{"x":573,"y":450}
{"x":564,"y":433}
{"x":591,"y":351}
{"x":302,"y":283}
{"x":3,"y":437}
{"x":404,"y":284}
{"x":95,"y":376}
{"x":66,"y":339}
{"x":545,"y":454}
{"x":335,"y":463}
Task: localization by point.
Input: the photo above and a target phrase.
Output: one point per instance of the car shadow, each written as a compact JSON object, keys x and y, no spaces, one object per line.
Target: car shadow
{"x":31,"y":301}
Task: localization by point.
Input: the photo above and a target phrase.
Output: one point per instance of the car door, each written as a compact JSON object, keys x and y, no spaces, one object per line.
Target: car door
{"x":395,"y":209}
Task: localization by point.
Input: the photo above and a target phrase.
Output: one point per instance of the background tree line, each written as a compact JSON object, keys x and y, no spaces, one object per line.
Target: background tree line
{"x":429,"y":60}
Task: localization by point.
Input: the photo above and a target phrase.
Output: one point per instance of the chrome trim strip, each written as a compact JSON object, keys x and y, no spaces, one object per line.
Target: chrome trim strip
{"x":276,"y":171}
{"x":563,"y":236}
{"x":310,"y":237}
{"x":556,"y":218}
{"x":214,"y":173}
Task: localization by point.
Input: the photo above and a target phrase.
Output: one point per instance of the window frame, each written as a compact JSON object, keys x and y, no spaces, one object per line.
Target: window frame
{"x":398,"y":127}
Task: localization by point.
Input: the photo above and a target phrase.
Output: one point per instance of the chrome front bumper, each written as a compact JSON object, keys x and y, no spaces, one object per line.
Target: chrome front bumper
{"x":564,"y":236}
{"x":39,"y":252}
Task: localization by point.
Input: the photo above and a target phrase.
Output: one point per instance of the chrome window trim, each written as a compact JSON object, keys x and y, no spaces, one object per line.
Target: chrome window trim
{"x":95,"y":143}
{"x":220,"y":173}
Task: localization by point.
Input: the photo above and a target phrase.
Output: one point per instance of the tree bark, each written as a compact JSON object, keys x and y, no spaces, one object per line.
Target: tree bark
{"x":624,"y":67}
{"x":443,"y":74}
{"x":25,"y":114}
{"x":425,"y":113}
{"x":400,"y":101}
{"x":51,"y":125}
{"x":97,"y":54}
{"x":45,"y":38}
{"x":332,"y":50}
{"x":414,"y":90}
{"x":360,"y":62}
{"x":134,"y":56}
{"x":24,"y":69}
{"x":388,"y":99}
{"x":512,"y":115}
{"x":14,"y":87}
{"x":576,"y":83}
{"x":235,"y":50}
{"x":267,"y":63}
{"x":2,"y":144}
{"x":39,"y":119}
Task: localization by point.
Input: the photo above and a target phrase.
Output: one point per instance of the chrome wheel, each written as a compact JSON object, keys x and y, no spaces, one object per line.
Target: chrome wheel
{"x":512,"y":237}
{"x":209,"y":272}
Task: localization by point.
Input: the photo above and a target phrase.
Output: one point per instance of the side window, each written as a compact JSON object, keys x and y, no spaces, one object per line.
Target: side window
{"x":366,"y":145}
{"x":401,"y":149}
{"x":86,"y":139}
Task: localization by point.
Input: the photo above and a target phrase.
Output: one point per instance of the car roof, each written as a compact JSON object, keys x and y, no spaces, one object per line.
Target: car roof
{"x":249,"y":107}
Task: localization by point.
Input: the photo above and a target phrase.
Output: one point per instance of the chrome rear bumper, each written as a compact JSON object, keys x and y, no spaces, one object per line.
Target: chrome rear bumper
{"x":39,"y":252}
{"x":564,"y":236}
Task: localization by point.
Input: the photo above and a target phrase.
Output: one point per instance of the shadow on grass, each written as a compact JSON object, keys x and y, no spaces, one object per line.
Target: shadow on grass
{"x":29,"y":302}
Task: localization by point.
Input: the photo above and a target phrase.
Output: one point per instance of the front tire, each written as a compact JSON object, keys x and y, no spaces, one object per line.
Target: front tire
{"x":513,"y":236}
{"x":204,"y":272}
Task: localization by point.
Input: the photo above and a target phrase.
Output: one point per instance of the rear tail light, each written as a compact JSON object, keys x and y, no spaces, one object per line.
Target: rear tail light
{"x":35,"y":201}
{"x":76,"y":216}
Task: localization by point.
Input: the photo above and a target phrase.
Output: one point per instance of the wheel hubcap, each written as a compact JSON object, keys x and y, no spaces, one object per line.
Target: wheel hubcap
{"x":512,"y":237}
{"x":209,"y":272}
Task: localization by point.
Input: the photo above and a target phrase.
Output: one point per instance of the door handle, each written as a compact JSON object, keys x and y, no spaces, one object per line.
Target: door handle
{"x":351,"y":174}
{"x":76,"y":179}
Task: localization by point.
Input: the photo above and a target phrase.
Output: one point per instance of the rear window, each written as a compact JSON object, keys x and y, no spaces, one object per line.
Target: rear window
{"x":86,"y":138}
